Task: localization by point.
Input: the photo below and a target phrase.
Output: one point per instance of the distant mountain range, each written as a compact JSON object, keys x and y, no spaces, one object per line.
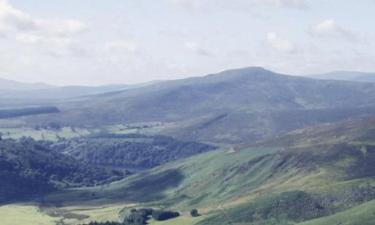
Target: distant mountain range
{"x":39,"y":91}
{"x":346,"y":75}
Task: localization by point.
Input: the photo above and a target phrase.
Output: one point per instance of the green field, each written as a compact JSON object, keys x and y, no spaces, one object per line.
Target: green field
{"x":25,"y":214}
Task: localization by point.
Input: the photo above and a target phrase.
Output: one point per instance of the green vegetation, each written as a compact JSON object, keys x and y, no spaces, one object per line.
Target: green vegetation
{"x":285,"y":208}
{"x":264,"y":185}
{"x":312,"y":176}
{"x":28,"y":168}
{"x":360,"y":215}
{"x":129,"y":150}
{"x":194,"y":212}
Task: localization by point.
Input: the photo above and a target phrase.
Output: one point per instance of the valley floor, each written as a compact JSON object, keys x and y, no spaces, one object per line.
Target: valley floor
{"x":29,"y":214}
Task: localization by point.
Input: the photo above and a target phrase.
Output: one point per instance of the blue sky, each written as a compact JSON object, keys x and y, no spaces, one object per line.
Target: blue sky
{"x":122,"y":41}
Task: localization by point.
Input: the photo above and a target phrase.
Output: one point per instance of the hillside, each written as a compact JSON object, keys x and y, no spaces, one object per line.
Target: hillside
{"x":129,"y":150}
{"x":29,"y":169}
{"x":230,"y":107}
{"x":286,"y":184}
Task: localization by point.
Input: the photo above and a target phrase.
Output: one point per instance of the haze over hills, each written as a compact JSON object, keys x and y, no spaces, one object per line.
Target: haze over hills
{"x":232,"y":106}
{"x":346,"y":75}
{"x":21,"y":86}
{"x":41,"y":93}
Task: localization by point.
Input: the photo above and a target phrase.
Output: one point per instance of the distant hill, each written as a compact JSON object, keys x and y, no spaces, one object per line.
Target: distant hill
{"x":231,"y":107}
{"x":21,"y":86}
{"x":19,"y":93}
{"x":346,"y":75}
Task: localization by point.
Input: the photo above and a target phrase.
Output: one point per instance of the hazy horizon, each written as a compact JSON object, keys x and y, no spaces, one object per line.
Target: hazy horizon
{"x":110,"y":42}
{"x":170,"y":79}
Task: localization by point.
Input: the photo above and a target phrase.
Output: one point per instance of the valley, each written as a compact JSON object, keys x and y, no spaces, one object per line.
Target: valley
{"x":244,"y":146}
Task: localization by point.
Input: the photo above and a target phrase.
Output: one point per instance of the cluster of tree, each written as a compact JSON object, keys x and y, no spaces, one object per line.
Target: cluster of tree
{"x":28,"y":168}
{"x":161,"y":215}
{"x":141,"y":216}
{"x":130,"y":150}
{"x":10,"y":113}
{"x":49,"y":126}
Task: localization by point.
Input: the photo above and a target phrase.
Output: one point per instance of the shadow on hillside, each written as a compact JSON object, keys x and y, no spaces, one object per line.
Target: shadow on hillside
{"x":150,"y":187}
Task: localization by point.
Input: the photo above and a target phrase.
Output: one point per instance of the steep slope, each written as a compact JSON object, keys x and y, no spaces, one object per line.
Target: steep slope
{"x":232,"y":106}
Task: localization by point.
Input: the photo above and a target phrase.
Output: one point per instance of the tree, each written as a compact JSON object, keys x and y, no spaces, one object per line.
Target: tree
{"x":194,"y":213}
{"x":164,"y":215}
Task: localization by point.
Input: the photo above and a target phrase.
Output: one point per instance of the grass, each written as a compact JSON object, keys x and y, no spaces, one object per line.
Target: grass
{"x":224,"y":179}
{"x":363,"y":214}
{"x":25,"y":214}
{"x":79,"y":214}
{"x":201,"y":181}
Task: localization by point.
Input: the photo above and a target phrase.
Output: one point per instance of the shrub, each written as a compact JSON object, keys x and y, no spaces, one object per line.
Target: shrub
{"x":164,"y":215}
{"x":194,"y":213}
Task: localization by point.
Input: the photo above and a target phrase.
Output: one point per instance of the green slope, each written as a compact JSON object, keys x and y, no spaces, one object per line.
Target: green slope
{"x":363,"y":214}
{"x":287,"y":184}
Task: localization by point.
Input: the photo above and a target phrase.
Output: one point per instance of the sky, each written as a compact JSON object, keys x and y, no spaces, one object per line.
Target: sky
{"x":93,"y":42}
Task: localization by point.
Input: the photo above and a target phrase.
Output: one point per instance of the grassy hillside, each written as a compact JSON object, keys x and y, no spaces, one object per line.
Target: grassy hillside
{"x":232,"y":106}
{"x":360,"y":130}
{"x":287,"y":184}
{"x":359,"y":215}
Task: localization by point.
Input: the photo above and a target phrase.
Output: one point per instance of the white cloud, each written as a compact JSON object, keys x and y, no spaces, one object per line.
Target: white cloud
{"x":329,"y":28}
{"x":197,"y":49}
{"x":50,"y":35}
{"x":121,"y":46}
{"x":278,"y":43}
{"x":13,"y":19}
